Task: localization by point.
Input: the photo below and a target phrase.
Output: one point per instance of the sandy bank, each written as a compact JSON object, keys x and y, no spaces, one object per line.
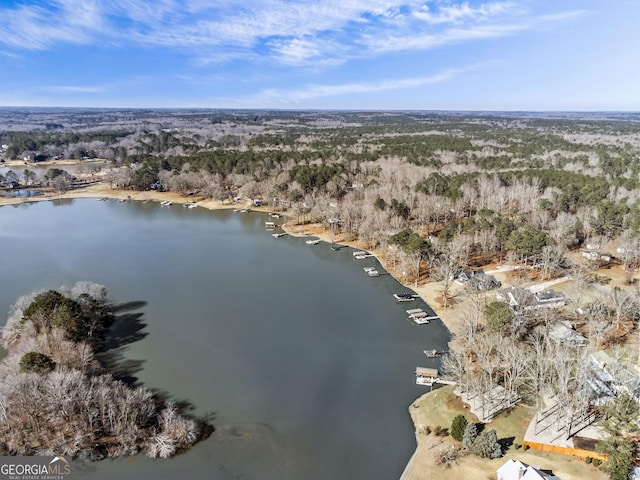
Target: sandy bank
{"x":427,"y":291}
{"x":103,"y":190}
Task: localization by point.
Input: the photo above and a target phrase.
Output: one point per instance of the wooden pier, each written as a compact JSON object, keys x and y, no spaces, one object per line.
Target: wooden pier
{"x":419,"y":316}
{"x":404,"y":297}
{"x":434,"y":353}
{"x":426,"y":376}
{"x":371,"y":271}
{"x":429,"y":376}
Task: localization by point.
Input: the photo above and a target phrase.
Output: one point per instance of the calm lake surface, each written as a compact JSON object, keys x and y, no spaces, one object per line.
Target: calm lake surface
{"x":305,"y":365}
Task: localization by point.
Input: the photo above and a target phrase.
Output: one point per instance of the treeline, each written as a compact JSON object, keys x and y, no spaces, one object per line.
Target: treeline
{"x":57,"y":398}
{"x":39,"y":143}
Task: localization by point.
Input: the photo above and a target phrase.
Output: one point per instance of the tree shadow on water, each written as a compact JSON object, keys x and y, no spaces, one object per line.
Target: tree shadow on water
{"x":127,"y":327}
{"x":120,"y":367}
{"x":128,"y":306}
{"x":187,"y":410}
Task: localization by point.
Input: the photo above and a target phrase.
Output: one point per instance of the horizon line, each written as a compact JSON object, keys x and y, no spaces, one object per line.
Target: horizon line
{"x":276,"y":109}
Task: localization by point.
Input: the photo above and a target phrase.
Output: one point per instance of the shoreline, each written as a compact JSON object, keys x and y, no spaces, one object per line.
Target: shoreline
{"x":420,"y":463}
{"x":427,"y":291}
{"x":102,"y":190}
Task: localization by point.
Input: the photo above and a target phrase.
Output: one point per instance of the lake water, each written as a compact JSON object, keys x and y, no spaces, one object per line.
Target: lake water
{"x":305,"y":364}
{"x":21,"y":193}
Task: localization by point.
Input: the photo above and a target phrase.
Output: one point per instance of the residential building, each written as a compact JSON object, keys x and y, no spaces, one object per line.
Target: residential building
{"x":477,"y":279}
{"x":517,"y":470}
{"x":520,"y":299}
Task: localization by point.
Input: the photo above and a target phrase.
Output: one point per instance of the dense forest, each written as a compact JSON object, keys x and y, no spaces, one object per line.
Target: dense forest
{"x":476,"y":180}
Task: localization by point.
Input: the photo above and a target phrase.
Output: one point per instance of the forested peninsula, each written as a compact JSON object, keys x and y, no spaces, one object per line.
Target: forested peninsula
{"x":57,"y":397}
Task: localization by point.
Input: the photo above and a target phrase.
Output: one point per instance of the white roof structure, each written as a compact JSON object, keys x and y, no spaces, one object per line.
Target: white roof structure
{"x":516,"y":470}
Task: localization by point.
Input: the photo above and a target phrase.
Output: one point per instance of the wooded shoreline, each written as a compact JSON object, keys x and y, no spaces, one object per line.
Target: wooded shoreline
{"x":102,"y":190}
{"x":59,"y":393}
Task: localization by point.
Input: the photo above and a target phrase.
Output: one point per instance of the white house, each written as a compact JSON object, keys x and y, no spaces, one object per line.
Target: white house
{"x":516,"y":470}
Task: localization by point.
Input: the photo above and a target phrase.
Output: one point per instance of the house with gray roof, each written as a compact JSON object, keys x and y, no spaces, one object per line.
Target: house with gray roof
{"x":521,"y":299}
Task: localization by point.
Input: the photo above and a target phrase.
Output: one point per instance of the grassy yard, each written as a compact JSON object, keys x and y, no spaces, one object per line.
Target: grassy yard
{"x":439,"y":407}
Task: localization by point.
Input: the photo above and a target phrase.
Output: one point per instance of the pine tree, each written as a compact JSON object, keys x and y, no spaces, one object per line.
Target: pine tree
{"x":487,"y":446}
{"x":458,"y":426}
{"x":619,"y":425}
{"x":470,"y":435}
{"x":620,"y":452}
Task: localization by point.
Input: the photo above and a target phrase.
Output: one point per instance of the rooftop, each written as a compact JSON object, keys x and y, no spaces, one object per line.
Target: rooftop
{"x":517,"y":470}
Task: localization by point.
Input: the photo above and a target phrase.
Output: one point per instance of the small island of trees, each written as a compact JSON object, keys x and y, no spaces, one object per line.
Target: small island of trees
{"x":56,"y":397}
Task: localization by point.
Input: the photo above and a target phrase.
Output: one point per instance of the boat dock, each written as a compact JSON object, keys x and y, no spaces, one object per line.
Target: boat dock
{"x":270,"y":225}
{"x":404,"y":297}
{"x":360,"y":255}
{"x":371,"y":271}
{"x":429,"y":376}
{"x":313,"y":242}
{"x":426,"y":376}
{"x":424,"y":320}
{"x":419,"y":316}
{"x":434,"y":353}
{"x":278,"y":235}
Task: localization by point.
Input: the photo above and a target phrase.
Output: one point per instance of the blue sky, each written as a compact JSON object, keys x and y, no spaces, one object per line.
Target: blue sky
{"x":326,"y":54}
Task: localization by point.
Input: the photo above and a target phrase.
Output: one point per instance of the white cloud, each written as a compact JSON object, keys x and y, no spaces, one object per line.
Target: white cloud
{"x":451,"y":36}
{"x":564,"y":15}
{"x":281,"y":98}
{"x":123,"y":83}
{"x":36,"y":27}
{"x":301,"y":33}
{"x":462,"y":12}
{"x":72,"y":89}
{"x":4,"y":53}
{"x":307,"y":52}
